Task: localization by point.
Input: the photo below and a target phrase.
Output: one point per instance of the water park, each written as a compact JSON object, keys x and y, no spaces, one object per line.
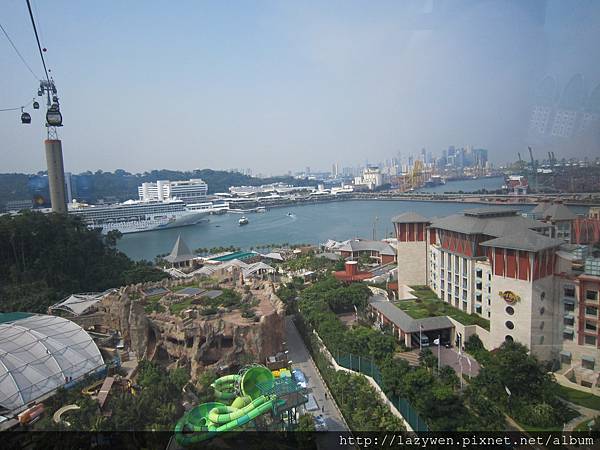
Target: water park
{"x":243,"y":402}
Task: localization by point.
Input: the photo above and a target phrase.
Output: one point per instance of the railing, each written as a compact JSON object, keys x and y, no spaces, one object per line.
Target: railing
{"x":366,"y":366}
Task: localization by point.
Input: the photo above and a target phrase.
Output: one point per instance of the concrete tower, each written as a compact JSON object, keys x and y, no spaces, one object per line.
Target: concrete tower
{"x":56,"y":175}
{"x":411,"y":233}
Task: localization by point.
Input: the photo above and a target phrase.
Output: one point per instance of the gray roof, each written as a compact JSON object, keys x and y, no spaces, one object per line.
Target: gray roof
{"x":435,"y":323}
{"x":393,"y":313}
{"x":491,"y":211}
{"x":524,"y":240}
{"x":489,"y":222}
{"x":410,"y":217}
{"x":328,"y":255}
{"x":181,"y":252}
{"x":540,"y":208}
{"x":557,"y":211}
{"x":403,"y":321}
{"x":356,"y":245}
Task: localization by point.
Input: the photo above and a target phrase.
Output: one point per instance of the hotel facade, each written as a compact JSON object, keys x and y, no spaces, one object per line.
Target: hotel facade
{"x":520,"y":273}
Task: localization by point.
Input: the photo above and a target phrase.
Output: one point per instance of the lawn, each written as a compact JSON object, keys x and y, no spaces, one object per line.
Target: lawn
{"x":152,"y":304}
{"x":176,"y":308}
{"x":579,"y":398}
{"x":429,"y":305}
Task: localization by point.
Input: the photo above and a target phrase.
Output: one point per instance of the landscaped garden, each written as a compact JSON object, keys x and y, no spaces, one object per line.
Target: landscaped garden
{"x":428,"y":304}
{"x":579,"y":397}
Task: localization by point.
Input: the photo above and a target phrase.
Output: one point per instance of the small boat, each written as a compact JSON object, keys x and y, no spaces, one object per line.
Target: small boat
{"x":290,"y":214}
{"x":243,"y":221}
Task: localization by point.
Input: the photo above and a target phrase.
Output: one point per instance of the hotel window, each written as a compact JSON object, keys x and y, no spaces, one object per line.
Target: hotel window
{"x":489,"y":276}
{"x":591,"y":326}
{"x":464,"y":294}
{"x":510,"y":310}
{"x":478,"y":298}
{"x":478,"y":273}
{"x":464,"y":267}
{"x":449,"y":296}
{"x":442,"y":294}
{"x":542,"y":325}
{"x":542,"y":311}
{"x":591,"y":296}
{"x":449,"y":261}
{"x":489,"y":315}
{"x":464,"y":283}
{"x":569,"y":320}
{"x":569,"y":291}
{"x":456,"y":279}
{"x":478,"y":309}
{"x":456,"y":291}
{"x":509,"y":325}
{"x":441,"y":275}
{"x":569,"y":306}
{"x":464,"y":306}
{"x":589,"y":340}
{"x":591,"y":311}
{"x":442,"y":259}
{"x":568,"y":335}
{"x":456,"y":262}
{"x":478,"y":285}
{"x":587,"y":363}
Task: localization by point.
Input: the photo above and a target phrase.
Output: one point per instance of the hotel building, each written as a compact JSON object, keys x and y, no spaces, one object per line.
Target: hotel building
{"x":521,"y":274}
{"x":190,"y":191}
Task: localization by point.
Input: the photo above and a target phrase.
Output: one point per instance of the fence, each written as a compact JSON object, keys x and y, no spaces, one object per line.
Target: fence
{"x":366,"y":366}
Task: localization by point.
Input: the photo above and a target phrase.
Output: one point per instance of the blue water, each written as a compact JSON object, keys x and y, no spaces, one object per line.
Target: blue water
{"x":491,"y":184}
{"x":310,"y":224}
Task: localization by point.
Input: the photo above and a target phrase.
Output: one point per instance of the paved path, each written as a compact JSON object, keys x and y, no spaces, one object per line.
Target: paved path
{"x":302,"y":360}
{"x":586,"y":414}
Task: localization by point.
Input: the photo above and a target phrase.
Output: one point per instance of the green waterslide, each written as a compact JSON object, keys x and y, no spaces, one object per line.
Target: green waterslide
{"x":205,"y":421}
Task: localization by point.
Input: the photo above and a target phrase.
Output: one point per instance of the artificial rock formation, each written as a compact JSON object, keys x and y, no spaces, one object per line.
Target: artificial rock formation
{"x":221,"y":341}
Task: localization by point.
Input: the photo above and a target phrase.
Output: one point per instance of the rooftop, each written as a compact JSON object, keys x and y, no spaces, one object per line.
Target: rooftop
{"x":527,"y":240}
{"x":405,"y":322}
{"x":181,"y":252}
{"x":410,"y":217}
{"x":555,"y":212}
{"x":488,"y":221}
{"x":356,"y":245}
{"x":38,"y":353}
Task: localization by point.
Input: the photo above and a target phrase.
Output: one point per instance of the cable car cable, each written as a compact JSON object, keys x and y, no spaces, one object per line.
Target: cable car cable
{"x":18,"y":107}
{"x":18,"y":53}
{"x":37,"y":38}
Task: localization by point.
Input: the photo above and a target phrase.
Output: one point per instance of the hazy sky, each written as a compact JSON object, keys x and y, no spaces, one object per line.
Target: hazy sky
{"x":278,"y":85}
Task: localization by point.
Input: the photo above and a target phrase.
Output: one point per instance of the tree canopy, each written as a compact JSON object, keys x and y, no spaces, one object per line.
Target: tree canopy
{"x":45,"y":257}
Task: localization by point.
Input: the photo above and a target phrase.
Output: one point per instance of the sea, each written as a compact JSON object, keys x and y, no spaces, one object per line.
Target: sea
{"x":301,"y":224}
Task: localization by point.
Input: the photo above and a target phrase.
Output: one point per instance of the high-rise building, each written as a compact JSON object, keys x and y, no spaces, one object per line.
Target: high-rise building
{"x":514,"y":271}
{"x":191,"y":191}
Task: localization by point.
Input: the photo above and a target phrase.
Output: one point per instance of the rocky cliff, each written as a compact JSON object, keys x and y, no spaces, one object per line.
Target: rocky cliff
{"x":222,"y":341}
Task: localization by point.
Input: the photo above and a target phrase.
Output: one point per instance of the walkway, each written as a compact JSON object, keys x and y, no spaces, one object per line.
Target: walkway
{"x":585,"y":414}
{"x":302,"y":360}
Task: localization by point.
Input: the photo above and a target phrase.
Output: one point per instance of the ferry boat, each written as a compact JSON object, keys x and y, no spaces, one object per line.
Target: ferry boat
{"x":134,"y":216}
{"x":243,"y":221}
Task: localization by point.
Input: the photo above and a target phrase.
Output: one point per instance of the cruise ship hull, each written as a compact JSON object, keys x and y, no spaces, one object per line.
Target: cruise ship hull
{"x":191,"y":218}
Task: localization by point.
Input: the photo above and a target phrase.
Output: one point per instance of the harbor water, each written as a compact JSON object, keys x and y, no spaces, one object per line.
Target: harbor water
{"x":310,"y":224}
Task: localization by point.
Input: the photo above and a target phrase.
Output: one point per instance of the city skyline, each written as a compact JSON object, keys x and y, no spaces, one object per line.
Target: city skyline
{"x":289,"y":86}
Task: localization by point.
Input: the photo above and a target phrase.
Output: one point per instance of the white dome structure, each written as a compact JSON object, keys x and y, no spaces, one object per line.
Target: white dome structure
{"x":40,"y":353}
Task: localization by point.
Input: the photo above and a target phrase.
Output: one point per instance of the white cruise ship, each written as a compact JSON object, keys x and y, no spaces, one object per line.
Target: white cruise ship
{"x":134,"y":216}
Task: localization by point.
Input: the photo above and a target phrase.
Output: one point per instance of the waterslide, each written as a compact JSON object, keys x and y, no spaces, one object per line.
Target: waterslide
{"x":205,"y":421}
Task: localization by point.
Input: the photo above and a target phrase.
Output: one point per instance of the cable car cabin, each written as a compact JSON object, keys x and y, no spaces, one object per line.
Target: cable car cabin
{"x":53,"y":116}
{"x":36,"y":105}
{"x":25,"y":118}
